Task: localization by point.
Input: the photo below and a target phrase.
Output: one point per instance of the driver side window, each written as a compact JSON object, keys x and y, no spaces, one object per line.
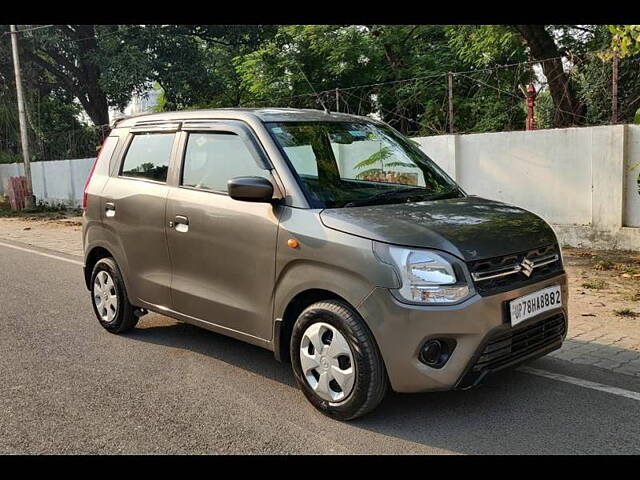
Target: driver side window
{"x":211,"y":159}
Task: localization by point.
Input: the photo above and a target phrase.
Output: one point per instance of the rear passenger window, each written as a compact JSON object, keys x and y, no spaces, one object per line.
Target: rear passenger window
{"x":213,"y":158}
{"x":148,"y":156}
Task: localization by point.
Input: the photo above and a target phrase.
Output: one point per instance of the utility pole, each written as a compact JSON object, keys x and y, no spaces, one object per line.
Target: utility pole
{"x":337,"y":100}
{"x":450,"y":82}
{"x":614,"y":89}
{"x":29,"y":201}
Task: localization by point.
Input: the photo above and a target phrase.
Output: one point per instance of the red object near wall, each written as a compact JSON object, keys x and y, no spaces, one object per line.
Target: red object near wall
{"x":17,"y":192}
{"x":531,"y":103}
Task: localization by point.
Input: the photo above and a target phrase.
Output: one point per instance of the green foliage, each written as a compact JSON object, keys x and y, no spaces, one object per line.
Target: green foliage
{"x":330,"y":56}
{"x":348,"y":56}
{"x":71,"y":71}
{"x":194,"y":64}
{"x":594,"y":82}
{"x":544,"y":110}
{"x":484,"y":45}
{"x":379,"y":156}
{"x":161,"y":99}
{"x":488,"y":101}
{"x":625,"y":40}
{"x":125,"y":65}
{"x":597,"y":284}
{"x":53,"y":124}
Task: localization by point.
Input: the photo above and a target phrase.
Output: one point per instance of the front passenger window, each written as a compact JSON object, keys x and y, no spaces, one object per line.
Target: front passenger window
{"x":213,"y":158}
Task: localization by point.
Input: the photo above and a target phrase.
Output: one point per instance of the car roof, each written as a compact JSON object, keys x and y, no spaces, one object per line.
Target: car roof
{"x":261,"y":114}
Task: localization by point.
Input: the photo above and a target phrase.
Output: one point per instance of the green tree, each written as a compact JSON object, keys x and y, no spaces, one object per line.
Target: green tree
{"x":332,"y":56}
{"x":53,"y":124}
{"x":194,"y":64}
{"x":625,"y":40}
{"x":545,"y":44}
{"x":328,"y":56}
{"x":89,"y":64}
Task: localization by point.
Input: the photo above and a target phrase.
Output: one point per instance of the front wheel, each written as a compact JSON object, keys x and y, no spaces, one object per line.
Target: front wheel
{"x":336,"y":361}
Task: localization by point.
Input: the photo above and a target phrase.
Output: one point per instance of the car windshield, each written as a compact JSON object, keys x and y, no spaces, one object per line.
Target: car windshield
{"x":349,"y":164}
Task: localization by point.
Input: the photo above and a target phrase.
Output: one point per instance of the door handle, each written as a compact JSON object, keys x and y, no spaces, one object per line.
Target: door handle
{"x":109,"y":209}
{"x":182,"y":223}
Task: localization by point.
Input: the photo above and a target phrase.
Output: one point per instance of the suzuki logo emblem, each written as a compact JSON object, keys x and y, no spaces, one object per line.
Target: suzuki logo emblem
{"x":527,"y":267}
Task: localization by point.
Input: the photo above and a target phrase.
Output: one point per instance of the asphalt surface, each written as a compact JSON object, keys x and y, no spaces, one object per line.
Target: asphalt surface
{"x":68,"y":386}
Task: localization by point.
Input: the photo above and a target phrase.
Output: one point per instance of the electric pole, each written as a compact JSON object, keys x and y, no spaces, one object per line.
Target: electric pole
{"x":614,"y":89}
{"x":29,"y":201}
{"x":450,"y":89}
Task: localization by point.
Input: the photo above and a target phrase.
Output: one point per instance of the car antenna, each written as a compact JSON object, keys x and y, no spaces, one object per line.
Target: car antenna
{"x":318,"y":98}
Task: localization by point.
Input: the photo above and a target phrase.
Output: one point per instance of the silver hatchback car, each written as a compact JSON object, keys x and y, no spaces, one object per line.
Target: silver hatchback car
{"x":329,"y":239}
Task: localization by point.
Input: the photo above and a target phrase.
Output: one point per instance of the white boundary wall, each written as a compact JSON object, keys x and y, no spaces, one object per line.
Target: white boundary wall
{"x":56,"y":181}
{"x":581,"y":180}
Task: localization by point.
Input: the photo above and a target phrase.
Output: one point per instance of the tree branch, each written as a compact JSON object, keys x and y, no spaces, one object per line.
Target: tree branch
{"x":62,"y":60}
{"x":576,"y":27}
{"x":409,"y":34}
{"x":49,"y":67}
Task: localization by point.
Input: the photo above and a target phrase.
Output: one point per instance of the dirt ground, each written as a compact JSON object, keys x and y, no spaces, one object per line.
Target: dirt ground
{"x":54,"y":231}
{"x":604,"y":283}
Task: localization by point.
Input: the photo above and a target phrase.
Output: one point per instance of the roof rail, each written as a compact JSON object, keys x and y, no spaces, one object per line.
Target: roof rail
{"x":127,"y":117}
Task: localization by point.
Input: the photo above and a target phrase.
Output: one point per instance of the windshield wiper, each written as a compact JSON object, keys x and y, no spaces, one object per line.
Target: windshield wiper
{"x":399,"y":191}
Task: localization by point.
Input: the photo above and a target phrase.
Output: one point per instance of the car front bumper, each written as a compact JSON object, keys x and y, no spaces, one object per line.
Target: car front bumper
{"x":478,"y":325}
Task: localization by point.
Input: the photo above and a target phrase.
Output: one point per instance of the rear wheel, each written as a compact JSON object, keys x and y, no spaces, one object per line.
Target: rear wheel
{"x":109,"y":297}
{"x":336,"y":361}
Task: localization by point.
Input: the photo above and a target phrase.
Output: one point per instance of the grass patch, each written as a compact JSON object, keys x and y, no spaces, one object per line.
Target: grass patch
{"x":625,"y":268}
{"x":595,"y":284}
{"x":626,"y":312}
{"x":603,"y":264}
{"x":42,"y":211}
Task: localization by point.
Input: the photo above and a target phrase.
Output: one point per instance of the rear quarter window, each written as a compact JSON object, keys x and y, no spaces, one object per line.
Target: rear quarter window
{"x":105,"y":155}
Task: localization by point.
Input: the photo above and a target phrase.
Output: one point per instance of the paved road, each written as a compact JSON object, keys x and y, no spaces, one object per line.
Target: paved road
{"x":68,"y":386}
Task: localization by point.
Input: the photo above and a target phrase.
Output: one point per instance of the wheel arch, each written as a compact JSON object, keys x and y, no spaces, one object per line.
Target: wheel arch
{"x":284,"y":326}
{"x":95,"y":254}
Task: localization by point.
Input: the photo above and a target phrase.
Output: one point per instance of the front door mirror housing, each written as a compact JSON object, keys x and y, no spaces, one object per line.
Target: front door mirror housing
{"x":250,"y":189}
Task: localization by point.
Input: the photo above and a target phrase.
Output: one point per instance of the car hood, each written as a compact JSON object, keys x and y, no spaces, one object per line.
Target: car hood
{"x":471,"y":228}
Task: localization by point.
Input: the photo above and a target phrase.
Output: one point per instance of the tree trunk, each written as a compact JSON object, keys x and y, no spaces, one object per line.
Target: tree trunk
{"x":568,"y":111}
{"x":95,"y":100}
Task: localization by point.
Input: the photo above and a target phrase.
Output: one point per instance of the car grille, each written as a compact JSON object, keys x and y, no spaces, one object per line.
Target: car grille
{"x":507,"y":348}
{"x":508,"y":272}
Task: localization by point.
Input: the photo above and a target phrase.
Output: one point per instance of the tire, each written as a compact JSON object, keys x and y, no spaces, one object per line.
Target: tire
{"x":121,"y":316}
{"x":368,"y":378}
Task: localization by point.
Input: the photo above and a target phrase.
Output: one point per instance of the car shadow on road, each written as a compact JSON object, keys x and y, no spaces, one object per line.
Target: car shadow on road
{"x":162,"y":330}
{"x":512,"y":412}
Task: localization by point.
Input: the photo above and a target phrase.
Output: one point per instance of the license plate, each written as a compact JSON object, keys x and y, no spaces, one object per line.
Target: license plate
{"x":527,"y":306}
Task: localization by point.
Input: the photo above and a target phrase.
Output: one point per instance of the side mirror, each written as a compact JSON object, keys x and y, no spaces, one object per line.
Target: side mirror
{"x":250,"y":189}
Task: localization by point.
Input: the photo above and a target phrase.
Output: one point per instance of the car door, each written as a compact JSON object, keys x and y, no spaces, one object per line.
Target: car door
{"x":134,"y":202}
{"x":222,"y":250}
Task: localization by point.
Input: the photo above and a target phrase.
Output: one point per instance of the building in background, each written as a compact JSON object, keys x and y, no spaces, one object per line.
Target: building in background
{"x":140,"y":103}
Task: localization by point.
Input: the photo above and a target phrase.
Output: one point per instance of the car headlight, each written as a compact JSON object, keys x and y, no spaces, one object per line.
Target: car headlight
{"x":426,"y":276}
